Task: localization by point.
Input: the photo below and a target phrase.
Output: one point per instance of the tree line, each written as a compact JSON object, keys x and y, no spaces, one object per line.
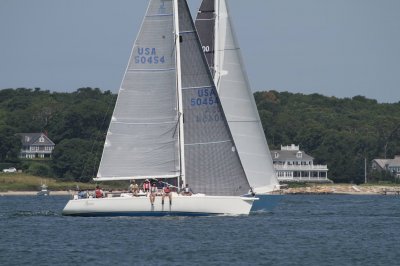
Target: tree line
{"x":339,"y":132}
{"x":76,"y":122}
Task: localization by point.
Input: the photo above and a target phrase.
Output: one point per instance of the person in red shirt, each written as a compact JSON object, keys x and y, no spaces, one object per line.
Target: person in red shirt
{"x":99,"y":192}
{"x":146,"y":186}
{"x":167,"y":193}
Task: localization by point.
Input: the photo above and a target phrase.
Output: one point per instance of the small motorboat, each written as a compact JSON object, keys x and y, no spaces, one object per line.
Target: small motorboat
{"x":43,"y":191}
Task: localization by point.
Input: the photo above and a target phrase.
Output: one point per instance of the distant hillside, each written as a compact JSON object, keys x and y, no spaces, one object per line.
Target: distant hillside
{"x":338,"y":132}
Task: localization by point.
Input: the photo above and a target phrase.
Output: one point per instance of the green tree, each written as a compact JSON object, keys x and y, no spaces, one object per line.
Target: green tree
{"x":10,"y":144}
{"x":75,"y":159}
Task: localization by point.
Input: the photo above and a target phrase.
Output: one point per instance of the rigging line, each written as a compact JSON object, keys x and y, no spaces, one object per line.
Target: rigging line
{"x":190,"y":88}
{"x":244,"y":121}
{"x":177,"y":124}
{"x":207,"y":143}
{"x":102,"y":125}
{"x":200,"y":87}
{"x":173,"y":48}
{"x":159,"y":15}
{"x":227,"y":49}
{"x":187,"y":32}
{"x":143,"y":123}
{"x":96,"y":139}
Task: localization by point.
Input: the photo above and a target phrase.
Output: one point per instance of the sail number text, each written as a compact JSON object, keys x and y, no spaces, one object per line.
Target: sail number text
{"x":206,"y":48}
{"x":206,"y":96}
{"x":208,"y":116}
{"x":148,"y":56}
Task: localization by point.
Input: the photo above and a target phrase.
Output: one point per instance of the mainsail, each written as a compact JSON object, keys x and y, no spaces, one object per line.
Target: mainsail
{"x":142,"y":139}
{"x":146,"y":131}
{"x":218,"y":39}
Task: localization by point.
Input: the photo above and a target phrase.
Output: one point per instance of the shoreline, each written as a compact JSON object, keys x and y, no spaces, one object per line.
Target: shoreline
{"x":312,"y":189}
{"x":343,"y":189}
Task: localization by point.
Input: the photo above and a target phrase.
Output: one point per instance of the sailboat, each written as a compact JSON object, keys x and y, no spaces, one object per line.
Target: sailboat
{"x":168,"y":123}
{"x":222,"y":52}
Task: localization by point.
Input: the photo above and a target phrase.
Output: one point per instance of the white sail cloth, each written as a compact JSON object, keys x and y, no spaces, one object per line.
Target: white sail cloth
{"x":236,"y":96}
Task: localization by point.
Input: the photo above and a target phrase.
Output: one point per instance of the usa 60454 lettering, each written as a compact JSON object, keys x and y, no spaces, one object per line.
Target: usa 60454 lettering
{"x":148,"y":55}
{"x":205,"y":96}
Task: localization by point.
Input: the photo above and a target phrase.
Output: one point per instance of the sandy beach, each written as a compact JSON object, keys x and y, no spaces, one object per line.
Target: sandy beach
{"x":343,"y":189}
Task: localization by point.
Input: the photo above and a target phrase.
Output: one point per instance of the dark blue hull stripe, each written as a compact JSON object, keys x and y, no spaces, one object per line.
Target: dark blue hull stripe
{"x":155,"y":213}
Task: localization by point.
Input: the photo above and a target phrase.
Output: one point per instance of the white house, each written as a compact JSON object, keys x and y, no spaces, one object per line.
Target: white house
{"x":293,"y":165}
{"x":36,"y":145}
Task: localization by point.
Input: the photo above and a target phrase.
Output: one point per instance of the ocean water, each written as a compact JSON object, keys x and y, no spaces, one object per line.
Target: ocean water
{"x":301,"y":230}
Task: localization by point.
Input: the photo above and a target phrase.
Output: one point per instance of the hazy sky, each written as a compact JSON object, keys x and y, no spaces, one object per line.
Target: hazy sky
{"x":336,"y":48}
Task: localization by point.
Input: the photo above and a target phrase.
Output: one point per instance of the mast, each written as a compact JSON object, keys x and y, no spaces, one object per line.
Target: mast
{"x":179,"y":93}
{"x":216,"y":44}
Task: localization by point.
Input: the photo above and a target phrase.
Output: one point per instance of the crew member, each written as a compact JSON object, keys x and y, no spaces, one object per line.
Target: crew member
{"x":134,"y":188}
{"x":187,"y":191}
{"x":153,"y":193}
{"x":146,"y":186}
{"x":167,"y":193}
{"x":98,"y":192}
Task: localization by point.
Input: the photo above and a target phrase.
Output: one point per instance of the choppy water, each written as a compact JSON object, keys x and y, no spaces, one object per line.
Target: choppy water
{"x":302,"y":230}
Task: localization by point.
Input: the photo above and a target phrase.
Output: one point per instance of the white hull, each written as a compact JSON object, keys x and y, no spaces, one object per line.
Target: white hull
{"x":141,"y":206}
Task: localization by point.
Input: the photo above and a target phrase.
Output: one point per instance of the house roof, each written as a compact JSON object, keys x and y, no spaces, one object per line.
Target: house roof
{"x":395,"y":162}
{"x":33,"y":139}
{"x":284,"y":155}
{"x":388,"y":162}
{"x":381,"y":162}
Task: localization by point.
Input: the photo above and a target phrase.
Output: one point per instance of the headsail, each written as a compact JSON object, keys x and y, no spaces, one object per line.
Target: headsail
{"x":205,"y":25}
{"x":142,"y":139}
{"x":212,"y":163}
{"x":236,"y":96}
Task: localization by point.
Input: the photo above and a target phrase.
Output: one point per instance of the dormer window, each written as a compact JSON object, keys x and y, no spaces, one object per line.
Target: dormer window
{"x":27,"y":138}
{"x":276,"y":155}
{"x":299,"y":154}
{"x":41,"y":139}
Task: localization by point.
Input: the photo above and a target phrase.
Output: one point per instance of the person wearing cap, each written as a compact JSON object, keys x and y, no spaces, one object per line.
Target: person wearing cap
{"x":167,"y":193}
{"x":187,"y":191}
{"x":153,"y":193}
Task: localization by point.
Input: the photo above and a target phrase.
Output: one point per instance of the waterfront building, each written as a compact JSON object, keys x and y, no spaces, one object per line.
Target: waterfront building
{"x":390,"y":165}
{"x":36,"y":145}
{"x":293,"y":165}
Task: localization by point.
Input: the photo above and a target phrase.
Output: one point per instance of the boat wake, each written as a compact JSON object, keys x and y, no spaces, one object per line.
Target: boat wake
{"x":47,"y":213}
{"x":262,"y":212}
